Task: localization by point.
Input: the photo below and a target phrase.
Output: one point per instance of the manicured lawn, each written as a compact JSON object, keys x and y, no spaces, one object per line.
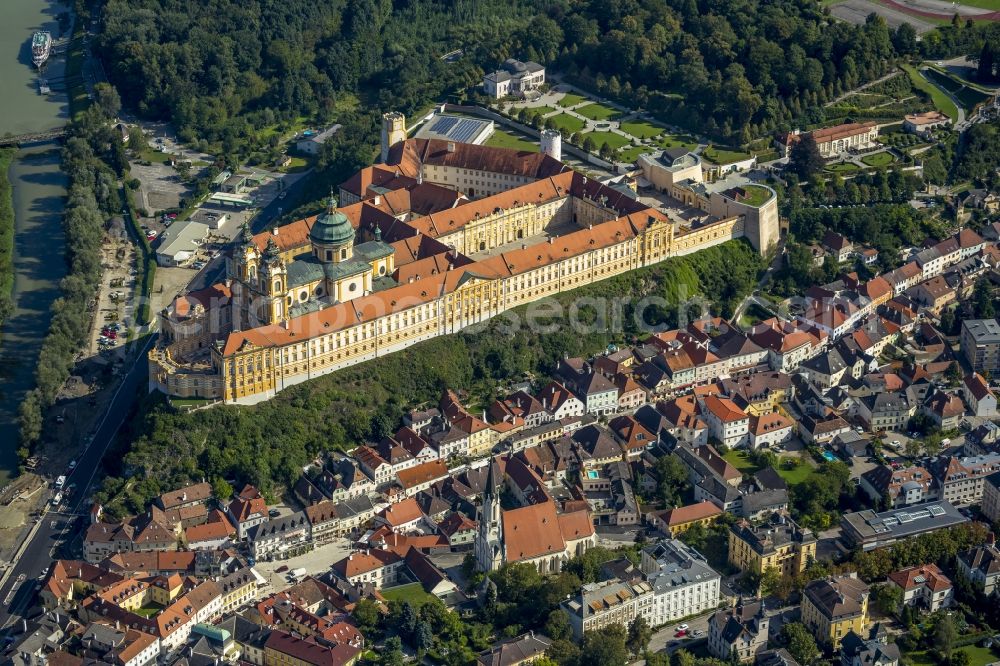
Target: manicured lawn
{"x":631,"y":154}
{"x":842,"y":167}
{"x":571,"y":99}
{"x":597,"y":111}
{"x":413,"y":592}
{"x":616,"y":141}
{"x":757,"y":195}
{"x":502,"y":139}
{"x":738,"y":459}
{"x":795,"y":476}
{"x":940,"y":100}
{"x":677,"y":141}
{"x":978,"y":656}
{"x":148,"y":611}
{"x":723,"y":155}
{"x":295,"y":166}
{"x":155,"y":156}
{"x":879,"y":159}
{"x":566,"y":123}
{"x":642,"y":129}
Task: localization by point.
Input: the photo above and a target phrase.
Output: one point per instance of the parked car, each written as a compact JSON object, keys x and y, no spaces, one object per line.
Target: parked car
{"x":680,"y":634}
{"x":282,"y":569}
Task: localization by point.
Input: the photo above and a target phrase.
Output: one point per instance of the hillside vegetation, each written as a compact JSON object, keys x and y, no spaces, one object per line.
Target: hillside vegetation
{"x":232,"y":74}
{"x":269,"y":443}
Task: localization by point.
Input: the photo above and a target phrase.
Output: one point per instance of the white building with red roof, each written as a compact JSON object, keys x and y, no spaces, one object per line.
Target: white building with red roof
{"x":925,"y":586}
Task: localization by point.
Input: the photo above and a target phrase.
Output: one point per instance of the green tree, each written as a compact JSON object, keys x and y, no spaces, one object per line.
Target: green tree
{"x":107,"y":99}
{"x":804,"y":158}
{"x":367,"y":615}
{"x":557,"y":626}
{"x":391,"y":653}
{"x":770,"y":579}
{"x":639,"y":635}
{"x":801,"y":643}
{"x":945,"y":633}
{"x":222,"y":489}
{"x":672,"y":479}
{"x":887,"y":598}
{"x":423,"y":638}
{"x":604,"y":647}
{"x":682,"y":657}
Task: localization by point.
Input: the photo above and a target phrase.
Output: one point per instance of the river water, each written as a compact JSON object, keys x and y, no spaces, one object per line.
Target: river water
{"x":39,"y":191}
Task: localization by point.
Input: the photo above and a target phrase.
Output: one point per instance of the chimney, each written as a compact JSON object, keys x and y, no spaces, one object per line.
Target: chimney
{"x":274,"y":231}
{"x":451,"y":146}
{"x":378,"y":200}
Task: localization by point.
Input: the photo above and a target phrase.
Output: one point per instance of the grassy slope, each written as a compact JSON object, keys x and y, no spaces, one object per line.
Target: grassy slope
{"x":941,"y":101}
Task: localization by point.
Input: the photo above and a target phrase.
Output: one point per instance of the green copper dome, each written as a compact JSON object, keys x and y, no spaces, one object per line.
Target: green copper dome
{"x":332,"y":227}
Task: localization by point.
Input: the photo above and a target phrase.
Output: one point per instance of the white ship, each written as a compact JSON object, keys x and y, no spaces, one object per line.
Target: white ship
{"x":41,"y":46}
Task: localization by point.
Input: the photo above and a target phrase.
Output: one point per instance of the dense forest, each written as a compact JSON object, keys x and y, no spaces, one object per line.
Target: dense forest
{"x":268,"y":444}
{"x":743,"y":68}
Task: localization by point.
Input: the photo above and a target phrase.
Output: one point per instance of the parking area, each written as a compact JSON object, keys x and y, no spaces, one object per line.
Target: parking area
{"x":160,"y":186}
{"x":114,"y":306}
{"x":316,"y":561}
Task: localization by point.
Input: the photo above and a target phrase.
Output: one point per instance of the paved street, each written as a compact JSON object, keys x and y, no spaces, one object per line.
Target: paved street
{"x":52,"y":526}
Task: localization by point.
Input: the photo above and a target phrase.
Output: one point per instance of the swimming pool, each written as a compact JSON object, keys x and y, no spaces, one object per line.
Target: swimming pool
{"x":828,"y":456}
{"x":592,"y":474}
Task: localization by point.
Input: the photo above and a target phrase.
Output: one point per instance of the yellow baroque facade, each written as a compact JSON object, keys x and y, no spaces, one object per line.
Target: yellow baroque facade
{"x":308,"y":299}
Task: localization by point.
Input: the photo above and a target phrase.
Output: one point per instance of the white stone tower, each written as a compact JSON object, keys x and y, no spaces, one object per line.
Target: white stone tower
{"x":552,"y":144}
{"x":393,"y":131}
{"x":489,"y":538}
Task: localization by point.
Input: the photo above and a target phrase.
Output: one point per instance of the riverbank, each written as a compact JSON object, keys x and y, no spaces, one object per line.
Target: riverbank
{"x":38,"y":187}
{"x":6,"y":234}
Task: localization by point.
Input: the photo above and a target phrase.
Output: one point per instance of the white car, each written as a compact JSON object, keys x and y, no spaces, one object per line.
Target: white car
{"x":682,"y":627}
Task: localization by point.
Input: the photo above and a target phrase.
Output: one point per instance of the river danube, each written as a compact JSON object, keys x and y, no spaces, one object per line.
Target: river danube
{"x":39,"y":193}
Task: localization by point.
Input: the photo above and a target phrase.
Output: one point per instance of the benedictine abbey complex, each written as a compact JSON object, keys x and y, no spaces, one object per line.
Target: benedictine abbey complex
{"x":439,"y":236}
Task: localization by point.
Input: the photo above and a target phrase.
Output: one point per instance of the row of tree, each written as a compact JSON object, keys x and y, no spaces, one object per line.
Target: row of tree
{"x":93,"y":198}
{"x":6,"y":236}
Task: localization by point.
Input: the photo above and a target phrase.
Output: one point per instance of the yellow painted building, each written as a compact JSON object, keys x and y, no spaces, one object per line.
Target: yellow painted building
{"x":306,"y":300}
{"x":835,"y":606}
{"x":779,"y":544}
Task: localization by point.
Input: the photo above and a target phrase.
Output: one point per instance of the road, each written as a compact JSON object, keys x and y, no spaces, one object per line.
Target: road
{"x":37,"y":553}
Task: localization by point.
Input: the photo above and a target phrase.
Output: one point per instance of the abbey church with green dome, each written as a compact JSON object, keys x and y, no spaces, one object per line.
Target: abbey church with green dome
{"x":327,"y":267}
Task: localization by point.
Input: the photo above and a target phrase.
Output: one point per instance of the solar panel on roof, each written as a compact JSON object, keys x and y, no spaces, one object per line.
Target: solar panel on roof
{"x":443,"y":125}
{"x":464,"y":130}
{"x":936,"y":510}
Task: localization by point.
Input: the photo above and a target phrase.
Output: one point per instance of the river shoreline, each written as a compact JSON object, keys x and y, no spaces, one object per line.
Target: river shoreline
{"x":38,"y":189}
